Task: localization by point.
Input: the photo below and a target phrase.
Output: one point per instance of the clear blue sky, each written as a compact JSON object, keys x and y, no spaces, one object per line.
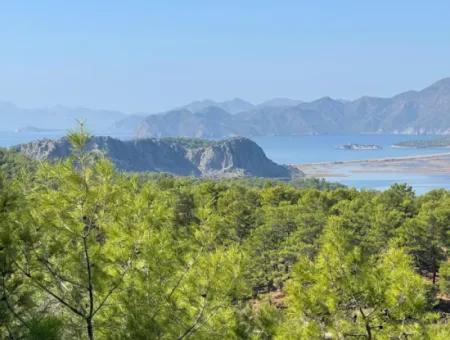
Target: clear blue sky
{"x":154,"y":55}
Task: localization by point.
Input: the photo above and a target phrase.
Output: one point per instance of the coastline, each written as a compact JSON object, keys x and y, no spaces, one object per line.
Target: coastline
{"x":429,"y":164}
{"x":384,"y":159}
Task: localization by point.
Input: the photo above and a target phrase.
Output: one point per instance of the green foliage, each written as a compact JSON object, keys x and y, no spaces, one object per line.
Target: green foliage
{"x":13,"y":163}
{"x":315,"y":183}
{"x":48,"y":328}
{"x":427,"y":234}
{"x":258,"y":320}
{"x":190,"y":143}
{"x":345,"y":293}
{"x":86,"y":251}
{"x":444,"y":278}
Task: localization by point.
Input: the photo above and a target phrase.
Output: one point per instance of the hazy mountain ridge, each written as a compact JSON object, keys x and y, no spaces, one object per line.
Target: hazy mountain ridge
{"x":235,"y":157}
{"x":232,"y":106}
{"x":280,"y":102}
{"x":412,"y":112}
{"x":13,"y":117}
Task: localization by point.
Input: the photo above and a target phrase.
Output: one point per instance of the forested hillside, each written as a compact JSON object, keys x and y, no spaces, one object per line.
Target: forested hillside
{"x":89,"y":252}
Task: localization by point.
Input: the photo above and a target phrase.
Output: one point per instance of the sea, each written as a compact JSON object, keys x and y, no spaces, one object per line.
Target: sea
{"x":318,"y":148}
{"x":323,"y":148}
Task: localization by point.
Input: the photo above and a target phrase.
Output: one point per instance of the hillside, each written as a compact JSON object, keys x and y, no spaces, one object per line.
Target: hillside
{"x":413,"y":112}
{"x":151,"y":256}
{"x":232,"y":106}
{"x":235,"y":157}
{"x":211,"y":122}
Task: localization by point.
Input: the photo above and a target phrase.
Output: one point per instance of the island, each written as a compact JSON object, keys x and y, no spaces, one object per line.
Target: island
{"x":442,"y":142}
{"x":359,"y":147}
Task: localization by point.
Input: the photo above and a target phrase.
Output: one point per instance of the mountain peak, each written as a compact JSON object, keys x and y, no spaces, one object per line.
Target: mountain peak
{"x":232,"y":106}
{"x":325,"y":99}
{"x":443,"y":83}
{"x":280,"y":102}
{"x":235,"y":105}
{"x":238,"y":100}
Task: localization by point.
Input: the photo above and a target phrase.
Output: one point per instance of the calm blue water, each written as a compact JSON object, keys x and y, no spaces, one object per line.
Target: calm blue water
{"x":310,"y":149}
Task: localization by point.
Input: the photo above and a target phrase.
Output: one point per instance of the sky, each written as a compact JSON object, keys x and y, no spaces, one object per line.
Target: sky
{"x":150,"y":56}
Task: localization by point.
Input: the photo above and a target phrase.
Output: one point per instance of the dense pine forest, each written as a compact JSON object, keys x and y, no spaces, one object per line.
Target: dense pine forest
{"x":89,"y":252}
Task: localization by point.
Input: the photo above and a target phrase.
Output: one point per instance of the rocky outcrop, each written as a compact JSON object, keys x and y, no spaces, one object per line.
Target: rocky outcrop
{"x":235,"y":157}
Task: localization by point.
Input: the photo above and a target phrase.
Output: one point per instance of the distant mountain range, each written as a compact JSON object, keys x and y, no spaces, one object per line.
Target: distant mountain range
{"x":235,"y":157}
{"x":13,"y":117}
{"x":233,"y":106}
{"x":413,"y":112}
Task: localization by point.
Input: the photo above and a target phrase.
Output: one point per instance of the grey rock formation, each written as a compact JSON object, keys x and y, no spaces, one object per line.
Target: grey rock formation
{"x":235,"y":157}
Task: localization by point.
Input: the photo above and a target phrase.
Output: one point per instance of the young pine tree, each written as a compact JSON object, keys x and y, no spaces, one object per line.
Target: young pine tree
{"x":76,"y":241}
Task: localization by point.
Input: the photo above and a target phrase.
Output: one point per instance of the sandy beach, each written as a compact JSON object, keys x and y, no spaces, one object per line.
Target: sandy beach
{"x":438,"y":163}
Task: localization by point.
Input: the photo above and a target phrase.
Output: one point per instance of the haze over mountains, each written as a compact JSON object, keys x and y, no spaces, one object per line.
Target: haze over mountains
{"x":412,"y":112}
{"x":13,"y":117}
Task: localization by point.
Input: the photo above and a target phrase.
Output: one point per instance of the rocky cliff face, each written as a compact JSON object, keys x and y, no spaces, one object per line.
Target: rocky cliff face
{"x":234,"y":157}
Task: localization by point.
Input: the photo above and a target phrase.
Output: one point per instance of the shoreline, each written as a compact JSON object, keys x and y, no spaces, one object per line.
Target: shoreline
{"x":430,"y":164}
{"x":380,"y":160}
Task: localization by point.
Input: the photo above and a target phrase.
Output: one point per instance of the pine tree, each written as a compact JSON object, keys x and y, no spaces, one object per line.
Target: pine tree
{"x":348,"y":292}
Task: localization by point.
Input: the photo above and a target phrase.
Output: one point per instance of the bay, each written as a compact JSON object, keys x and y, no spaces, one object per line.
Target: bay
{"x":323,"y":148}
